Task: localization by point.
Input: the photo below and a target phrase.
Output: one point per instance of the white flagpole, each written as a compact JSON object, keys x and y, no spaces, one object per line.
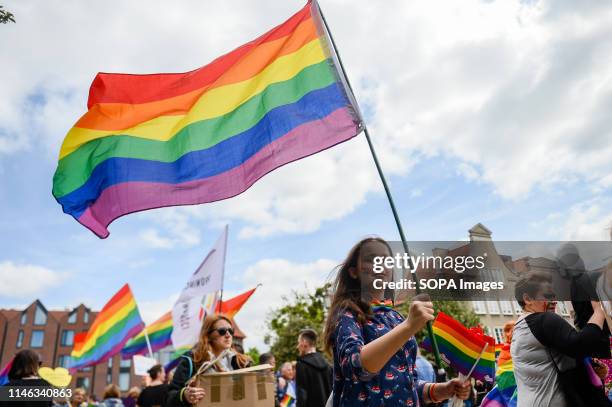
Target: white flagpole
{"x":456,"y":402}
{"x":146,"y":335}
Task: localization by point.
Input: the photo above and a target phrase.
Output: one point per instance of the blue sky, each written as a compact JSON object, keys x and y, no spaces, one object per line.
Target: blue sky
{"x":492,"y":112}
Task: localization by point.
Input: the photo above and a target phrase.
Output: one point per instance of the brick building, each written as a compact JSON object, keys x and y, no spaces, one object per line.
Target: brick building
{"x":51,"y":334}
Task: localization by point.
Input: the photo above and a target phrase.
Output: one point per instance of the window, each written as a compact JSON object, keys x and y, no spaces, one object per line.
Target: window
{"x":124,"y":374}
{"x":563,"y":308}
{"x":20,"y":339}
{"x":499,"y":335}
{"x":38,"y":338}
{"x":506,"y":307}
{"x":488,"y":331}
{"x":124,"y":381}
{"x":67,"y":338}
{"x":109,"y":371}
{"x":85,"y":317}
{"x":72,"y":318}
{"x":493,"y":307}
{"x":63,"y":360}
{"x":83,"y":382}
{"x":479,"y":307}
{"x":85,"y":369}
{"x":517,"y":308}
{"x":24,"y":318}
{"x":40,"y":316}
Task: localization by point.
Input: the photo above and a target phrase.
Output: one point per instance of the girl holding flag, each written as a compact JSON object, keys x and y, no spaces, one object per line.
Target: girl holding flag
{"x":373,"y":346}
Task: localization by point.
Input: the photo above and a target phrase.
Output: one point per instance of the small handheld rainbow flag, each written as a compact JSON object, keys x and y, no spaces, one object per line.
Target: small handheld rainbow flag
{"x":289,"y":399}
{"x":460,"y":348}
{"x":504,"y":392}
{"x":231,"y":307}
{"x":4,"y":379}
{"x":118,"y":321}
{"x":150,"y":141}
{"x":159,"y":333}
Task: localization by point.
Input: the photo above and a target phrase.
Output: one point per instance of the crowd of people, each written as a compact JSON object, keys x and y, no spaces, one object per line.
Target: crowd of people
{"x":375,"y":359}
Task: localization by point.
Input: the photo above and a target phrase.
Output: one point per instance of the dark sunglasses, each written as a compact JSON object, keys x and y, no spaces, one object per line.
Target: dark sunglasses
{"x":223,"y":331}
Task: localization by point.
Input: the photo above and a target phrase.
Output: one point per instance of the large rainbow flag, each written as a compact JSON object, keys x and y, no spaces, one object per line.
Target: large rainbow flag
{"x":460,"y":347}
{"x":503,"y":393}
{"x":231,"y":307}
{"x":118,"y":321}
{"x":149,"y":141}
{"x":159,"y":333}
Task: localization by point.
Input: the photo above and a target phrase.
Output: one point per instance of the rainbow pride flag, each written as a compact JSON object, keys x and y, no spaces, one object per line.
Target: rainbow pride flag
{"x":4,"y":379}
{"x":459,"y":347}
{"x":159,"y":333}
{"x":175,"y":358}
{"x":150,"y":141}
{"x":231,"y":307}
{"x":118,"y":321}
{"x":503,"y":393}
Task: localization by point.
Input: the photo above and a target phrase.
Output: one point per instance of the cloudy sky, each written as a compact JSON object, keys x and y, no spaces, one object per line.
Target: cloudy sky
{"x":482,"y":111}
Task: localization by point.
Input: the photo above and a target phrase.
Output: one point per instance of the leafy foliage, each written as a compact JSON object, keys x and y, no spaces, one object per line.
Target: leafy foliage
{"x":6,"y":16}
{"x":253,"y":353}
{"x":300,"y":311}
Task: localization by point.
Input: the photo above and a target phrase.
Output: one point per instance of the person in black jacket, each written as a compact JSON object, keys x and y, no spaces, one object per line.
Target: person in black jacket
{"x":216,"y":337}
{"x":24,"y":372}
{"x":313,"y":373}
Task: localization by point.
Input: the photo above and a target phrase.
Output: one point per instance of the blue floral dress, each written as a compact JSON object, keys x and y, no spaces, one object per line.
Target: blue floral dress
{"x":396,"y":384}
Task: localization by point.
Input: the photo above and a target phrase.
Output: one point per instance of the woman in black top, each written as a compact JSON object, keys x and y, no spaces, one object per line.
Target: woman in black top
{"x":154,"y":394}
{"x":24,"y":372}
{"x":216,"y":338}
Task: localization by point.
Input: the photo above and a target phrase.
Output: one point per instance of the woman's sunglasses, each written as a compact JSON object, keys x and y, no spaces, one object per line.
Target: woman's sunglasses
{"x":223,"y":331}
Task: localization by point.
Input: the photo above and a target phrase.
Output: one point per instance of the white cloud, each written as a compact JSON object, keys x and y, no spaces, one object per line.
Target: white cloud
{"x":518,"y":92}
{"x":39,"y":280}
{"x":589,"y":220}
{"x":279,"y":277}
{"x":178,"y":229}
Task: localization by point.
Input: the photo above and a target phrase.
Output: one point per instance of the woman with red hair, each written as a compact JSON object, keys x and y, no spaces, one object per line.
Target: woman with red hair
{"x":216,"y":338}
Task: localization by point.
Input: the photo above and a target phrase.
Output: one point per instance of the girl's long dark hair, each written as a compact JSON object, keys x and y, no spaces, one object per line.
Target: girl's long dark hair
{"x":347,"y":295}
{"x":25,"y":364}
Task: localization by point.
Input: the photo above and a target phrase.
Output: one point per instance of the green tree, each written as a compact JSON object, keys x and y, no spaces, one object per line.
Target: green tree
{"x":299,"y":311}
{"x":254,"y":354}
{"x":6,"y":16}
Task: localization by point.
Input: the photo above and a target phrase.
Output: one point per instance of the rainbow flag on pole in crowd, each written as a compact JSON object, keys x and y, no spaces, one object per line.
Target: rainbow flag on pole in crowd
{"x":4,"y":379}
{"x":118,"y":321}
{"x":156,"y":140}
{"x":459,"y":347}
{"x":159,"y":333}
{"x":175,"y":358}
{"x":289,"y":399}
{"x":503,"y":393}
{"x":231,"y":307}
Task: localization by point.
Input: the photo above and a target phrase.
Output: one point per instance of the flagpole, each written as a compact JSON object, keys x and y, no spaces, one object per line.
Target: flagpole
{"x":223,"y":270}
{"x":146,"y":335}
{"x":384,"y":182}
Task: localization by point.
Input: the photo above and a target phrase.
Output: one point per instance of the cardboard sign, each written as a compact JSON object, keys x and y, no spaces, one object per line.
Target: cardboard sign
{"x":58,"y":377}
{"x":142,"y":364}
{"x":249,"y":387}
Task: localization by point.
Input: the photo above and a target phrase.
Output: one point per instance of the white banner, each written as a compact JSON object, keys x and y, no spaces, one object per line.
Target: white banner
{"x":204,"y":285}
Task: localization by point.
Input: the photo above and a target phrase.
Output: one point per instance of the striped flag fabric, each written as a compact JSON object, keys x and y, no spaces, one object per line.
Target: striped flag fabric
{"x":4,"y":379}
{"x":460,"y":347}
{"x":503,"y":393}
{"x":159,"y":333}
{"x":150,"y":141}
{"x":231,"y":307}
{"x":115,"y":324}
